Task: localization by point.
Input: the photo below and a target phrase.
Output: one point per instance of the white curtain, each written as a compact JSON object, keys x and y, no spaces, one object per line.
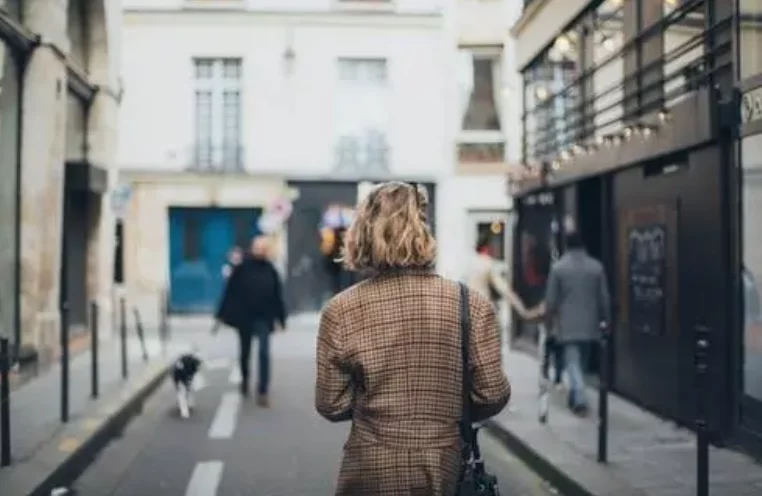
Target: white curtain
{"x":465,"y":81}
{"x":497,"y":88}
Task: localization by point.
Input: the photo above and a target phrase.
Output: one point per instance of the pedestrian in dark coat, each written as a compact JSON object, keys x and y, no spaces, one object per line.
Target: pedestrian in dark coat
{"x":253,"y":304}
{"x":389,"y":355}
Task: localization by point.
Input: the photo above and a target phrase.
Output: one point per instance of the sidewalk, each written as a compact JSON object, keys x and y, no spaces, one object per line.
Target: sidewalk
{"x":46,"y":452}
{"x":647,"y":455}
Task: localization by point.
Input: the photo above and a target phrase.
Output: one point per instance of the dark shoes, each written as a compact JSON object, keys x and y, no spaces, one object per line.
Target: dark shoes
{"x":262,"y":399}
{"x":581,"y":410}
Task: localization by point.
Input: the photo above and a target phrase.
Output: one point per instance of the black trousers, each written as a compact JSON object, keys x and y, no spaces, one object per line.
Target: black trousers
{"x":553,"y":349}
{"x":261,"y":331}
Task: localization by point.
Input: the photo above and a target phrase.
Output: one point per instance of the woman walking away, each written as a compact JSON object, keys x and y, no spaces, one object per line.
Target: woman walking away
{"x":389,"y":355}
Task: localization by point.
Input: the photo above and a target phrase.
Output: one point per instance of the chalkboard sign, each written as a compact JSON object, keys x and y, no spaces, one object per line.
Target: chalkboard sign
{"x":646,"y":268}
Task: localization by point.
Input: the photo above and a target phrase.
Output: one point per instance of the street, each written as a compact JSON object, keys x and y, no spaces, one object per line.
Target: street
{"x":231,"y":447}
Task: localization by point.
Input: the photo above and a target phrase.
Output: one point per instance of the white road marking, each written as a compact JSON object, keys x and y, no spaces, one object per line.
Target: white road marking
{"x":235,"y":376}
{"x":224,"y":423}
{"x":205,"y":479}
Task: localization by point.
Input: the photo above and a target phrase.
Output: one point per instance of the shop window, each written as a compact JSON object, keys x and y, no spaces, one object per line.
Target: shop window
{"x":752,"y":265}
{"x":750,"y":37}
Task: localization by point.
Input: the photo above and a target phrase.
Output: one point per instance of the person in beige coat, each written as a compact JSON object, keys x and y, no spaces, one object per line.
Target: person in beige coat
{"x":484,"y":276}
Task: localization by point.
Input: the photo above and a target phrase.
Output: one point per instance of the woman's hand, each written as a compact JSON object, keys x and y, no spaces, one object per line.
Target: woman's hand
{"x":536,"y":313}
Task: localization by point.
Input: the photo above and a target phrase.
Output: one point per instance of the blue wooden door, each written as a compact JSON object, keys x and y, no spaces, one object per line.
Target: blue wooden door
{"x":200,"y":239}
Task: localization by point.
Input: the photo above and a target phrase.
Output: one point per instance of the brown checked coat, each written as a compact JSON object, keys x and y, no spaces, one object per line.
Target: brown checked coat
{"x":389,"y":360}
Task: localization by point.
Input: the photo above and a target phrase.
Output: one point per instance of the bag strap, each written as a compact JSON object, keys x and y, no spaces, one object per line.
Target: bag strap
{"x":467,"y":431}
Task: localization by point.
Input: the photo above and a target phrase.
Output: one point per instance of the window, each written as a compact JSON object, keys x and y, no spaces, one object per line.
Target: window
{"x":750,"y":37}
{"x":482,"y":110}
{"x":362,"y":145}
{"x":218,"y":114}
{"x":482,"y":139}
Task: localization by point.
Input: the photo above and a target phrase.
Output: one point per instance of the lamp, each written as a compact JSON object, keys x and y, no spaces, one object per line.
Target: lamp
{"x":289,"y":59}
{"x":289,"y":54}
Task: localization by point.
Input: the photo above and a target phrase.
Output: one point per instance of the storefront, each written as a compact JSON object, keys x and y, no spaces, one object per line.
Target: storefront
{"x":749,"y":74}
{"x":628,"y":138}
{"x":14,"y":50}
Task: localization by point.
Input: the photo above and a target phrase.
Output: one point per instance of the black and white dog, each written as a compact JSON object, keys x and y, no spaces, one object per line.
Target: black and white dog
{"x":184,"y":375}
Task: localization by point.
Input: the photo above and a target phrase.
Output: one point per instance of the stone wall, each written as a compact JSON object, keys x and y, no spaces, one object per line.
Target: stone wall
{"x":43,"y":153}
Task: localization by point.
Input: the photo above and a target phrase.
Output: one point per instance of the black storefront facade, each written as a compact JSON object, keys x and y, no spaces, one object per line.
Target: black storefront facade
{"x":635,"y":134}
{"x":309,"y":278}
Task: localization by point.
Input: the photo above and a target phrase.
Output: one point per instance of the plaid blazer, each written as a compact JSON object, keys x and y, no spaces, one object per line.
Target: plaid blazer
{"x":389,"y":360}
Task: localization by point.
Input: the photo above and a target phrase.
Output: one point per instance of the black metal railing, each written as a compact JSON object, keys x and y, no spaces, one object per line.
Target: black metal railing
{"x":581,"y":115}
{"x":217,"y":158}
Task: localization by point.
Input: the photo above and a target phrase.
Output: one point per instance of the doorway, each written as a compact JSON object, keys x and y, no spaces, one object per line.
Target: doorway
{"x":590,"y":222}
{"x":199,"y":242}
{"x":310,"y":280}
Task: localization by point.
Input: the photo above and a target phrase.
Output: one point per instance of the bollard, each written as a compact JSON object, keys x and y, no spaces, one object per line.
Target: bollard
{"x":123,"y":335}
{"x":65,"y":362}
{"x":140,"y":332}
{"x":94,"y":345}
{"x":5,"y":403}
{"x":701,"y":361}
{"x":603,"y":394}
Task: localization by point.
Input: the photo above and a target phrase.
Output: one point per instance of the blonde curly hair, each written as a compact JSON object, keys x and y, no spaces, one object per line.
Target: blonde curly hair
{"x":390,"y":231}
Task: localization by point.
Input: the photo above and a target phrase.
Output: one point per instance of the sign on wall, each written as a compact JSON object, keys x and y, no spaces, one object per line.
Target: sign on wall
{"x":648,"y":268}
{"x":751,"y":106}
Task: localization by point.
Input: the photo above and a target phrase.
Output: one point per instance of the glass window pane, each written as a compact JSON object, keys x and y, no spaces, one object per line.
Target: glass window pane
{"x":482,"y":112}
{"x":231,"y":131}
{"x":608,"y":95}
{"x":752,"y":267}
{"x":750,"y":37}
{"x":232,"y":69}
{"x":203,"y":127}
{"x":204,"y":68}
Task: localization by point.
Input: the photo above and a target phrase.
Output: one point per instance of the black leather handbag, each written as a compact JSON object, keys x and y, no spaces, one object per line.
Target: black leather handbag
{"x":474,"y":479}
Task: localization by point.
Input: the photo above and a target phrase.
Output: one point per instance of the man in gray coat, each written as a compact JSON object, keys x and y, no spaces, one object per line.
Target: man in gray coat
{"x":577,"y":301}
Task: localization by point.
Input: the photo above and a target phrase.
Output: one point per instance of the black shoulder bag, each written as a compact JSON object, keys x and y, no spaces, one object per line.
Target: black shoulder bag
{"x":474,"y":479}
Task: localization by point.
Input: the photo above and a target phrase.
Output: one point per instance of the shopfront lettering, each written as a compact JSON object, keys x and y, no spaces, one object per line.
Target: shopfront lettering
{"x":751,"y":106}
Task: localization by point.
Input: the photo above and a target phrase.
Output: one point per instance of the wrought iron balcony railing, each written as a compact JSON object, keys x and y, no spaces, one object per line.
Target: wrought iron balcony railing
{"x":628,"y":86}
{"x":217,"y":158}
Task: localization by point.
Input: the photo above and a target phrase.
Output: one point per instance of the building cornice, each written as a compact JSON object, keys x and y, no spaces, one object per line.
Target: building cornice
{"x":527,"y":15}
{"x":338,"y":18}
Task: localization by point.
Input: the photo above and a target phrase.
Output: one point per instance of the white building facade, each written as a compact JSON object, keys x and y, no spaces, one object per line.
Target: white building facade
{"x":487,"y":128}
{"x":230,"y":105}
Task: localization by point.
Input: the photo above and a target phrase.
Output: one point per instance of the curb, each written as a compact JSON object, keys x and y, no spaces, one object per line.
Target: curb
{"x":536,"y":461}
{"x":112,"y":426}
